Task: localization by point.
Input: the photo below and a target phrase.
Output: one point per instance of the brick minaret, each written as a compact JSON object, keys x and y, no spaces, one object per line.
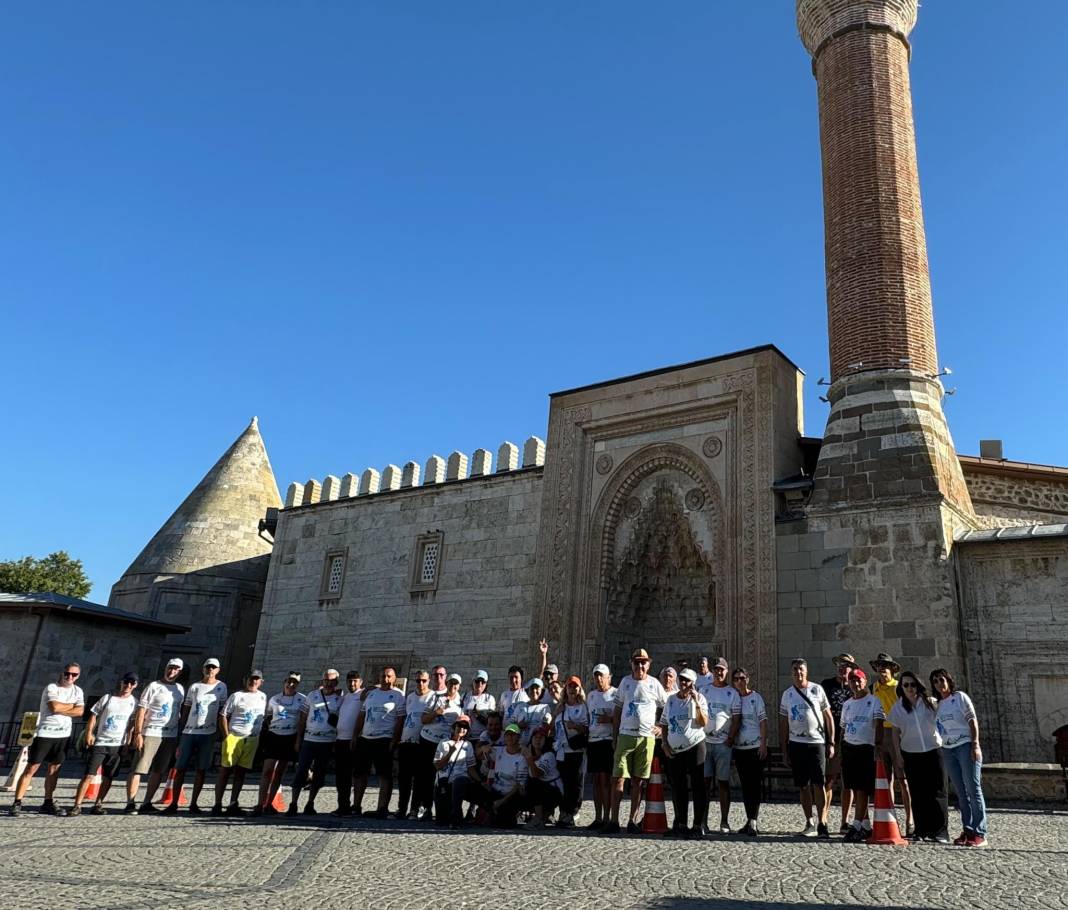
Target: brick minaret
{"x":886,"y":434}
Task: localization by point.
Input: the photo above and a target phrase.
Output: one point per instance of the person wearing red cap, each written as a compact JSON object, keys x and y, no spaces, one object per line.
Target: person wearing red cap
{"x":454,"y":760}
{"x":862,"y":735}
{"x":572,"y":722}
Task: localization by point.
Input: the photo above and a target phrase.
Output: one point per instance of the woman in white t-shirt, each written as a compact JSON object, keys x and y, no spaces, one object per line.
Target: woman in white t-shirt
{"x":683,"y":719}
{"x":437,"y":724}
{"x":453,"y":760}
{"x":862,"y":734}
{"x":957,"y":725}
{"x":545,"y":790}
{"x":919,"y":745}
{"x":571,"y":734}
{"x":750,"y":748}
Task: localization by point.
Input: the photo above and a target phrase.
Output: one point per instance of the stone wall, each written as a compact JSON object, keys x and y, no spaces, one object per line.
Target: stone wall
{"x":104,"y":649}
{"x":866,"y":582}
{"x":1016,"y":496}
{"x":1014,"y":596}
{"x":474,"y":615}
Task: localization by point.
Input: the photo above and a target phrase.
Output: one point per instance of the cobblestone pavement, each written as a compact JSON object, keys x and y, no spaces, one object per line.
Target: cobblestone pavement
{"x":119,"y":861}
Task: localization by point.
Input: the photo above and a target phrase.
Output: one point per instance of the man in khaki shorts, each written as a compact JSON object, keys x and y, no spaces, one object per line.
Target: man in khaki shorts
{"x":639,"y":700}
{"x":155,"y":734}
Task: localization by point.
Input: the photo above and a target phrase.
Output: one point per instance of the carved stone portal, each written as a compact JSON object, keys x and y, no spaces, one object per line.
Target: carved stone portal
{"x":664,"y":580}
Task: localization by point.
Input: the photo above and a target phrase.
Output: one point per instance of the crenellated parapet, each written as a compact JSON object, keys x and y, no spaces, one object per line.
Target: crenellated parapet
{"x":436,"y":471}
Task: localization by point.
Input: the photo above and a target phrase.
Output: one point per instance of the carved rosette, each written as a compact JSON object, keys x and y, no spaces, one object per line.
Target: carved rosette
{"x":712,"y":446}
{"x":604,"y":463}
{"x":695,"y":499}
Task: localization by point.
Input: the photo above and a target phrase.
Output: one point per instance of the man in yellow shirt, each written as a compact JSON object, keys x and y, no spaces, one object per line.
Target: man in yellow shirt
{"x":885,"y":689}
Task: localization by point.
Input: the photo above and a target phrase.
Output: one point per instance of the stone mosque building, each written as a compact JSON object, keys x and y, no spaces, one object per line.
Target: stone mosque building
{"x":684,"y":509}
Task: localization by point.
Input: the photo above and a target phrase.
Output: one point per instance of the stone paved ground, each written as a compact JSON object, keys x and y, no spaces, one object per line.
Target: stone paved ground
{"x":203,"y":863}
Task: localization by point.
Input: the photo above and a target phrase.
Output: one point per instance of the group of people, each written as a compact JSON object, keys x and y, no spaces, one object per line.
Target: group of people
{"x":462,"y":757}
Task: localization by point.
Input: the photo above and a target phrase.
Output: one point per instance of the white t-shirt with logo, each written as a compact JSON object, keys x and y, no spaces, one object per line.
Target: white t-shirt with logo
{"x":475,"y":703}
{"x":319,"y":706}
{"x":510,"y":703}
{"x":162,"y":702}
{"x":244,"y":713}
{"x":753,"y":712}
{"x":381,"y":709}
{"x":724,"y":704}
{"x":414,"y":706}
{"x":57,"y":726}
{"x":639,"y":700}
{"x":113,"y":713}
{"x":204,"y":701}
{"x":858,"y":718}
{"x":602,"y":707}
{"x":508,"y":771}
{"x":679,"y":718}
{"x":351,"y":705}
{"x":952,"y":718}
{"x":284,"y":712}
{"x":440,"y":728}
{"x":550,"y":771}
{"x":704,"y":679}
{"x":574,"y":714}
{"x":534,"y":716}
{"x":462,"y":759}
{"x":805,"y":723}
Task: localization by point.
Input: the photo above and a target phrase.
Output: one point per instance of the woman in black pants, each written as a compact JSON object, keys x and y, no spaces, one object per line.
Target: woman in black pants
{"x":683,"y":719}
{"x":917,"y":742}
{"x":572,"y":730}
{"x":751,"y":748}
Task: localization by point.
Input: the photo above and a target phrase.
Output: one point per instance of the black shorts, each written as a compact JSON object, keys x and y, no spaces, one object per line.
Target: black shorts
{"x":599,"y":755}
{"x":105,"y":759}
{"x":278,"y":748}
{"x":858,"y":767}
{"x":376,"y":752}
{"x":48,"y":750}
{"x":808,"y":762}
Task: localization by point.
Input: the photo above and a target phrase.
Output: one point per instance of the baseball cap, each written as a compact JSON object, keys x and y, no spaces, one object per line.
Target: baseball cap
{"x":857,"y":673}
{"x":130,"y":677}
{"x":688,"y":674}
{"x":255,"y":674}
{"x":512,"y":728}
{"x":536,"y":681}
{"x":483,"y":675}
{"x":212,"y":662}
{"x":463,"y":719}
{"x":722,"y":662}
{"x":176,"y":662}
{"x":330,"y":671}
{"x":602,"y":669}
{"x":453,"y":676}
{"x":552,"y":668}
{"x":574,"y":680}
{"x":293,"y":675}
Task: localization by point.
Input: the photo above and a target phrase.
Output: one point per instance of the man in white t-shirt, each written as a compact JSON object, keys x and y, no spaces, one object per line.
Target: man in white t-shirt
{"x":240,"y":721}
{"x":279,"y":741}
{"x":347,"y":715}
{"x":198,"y":722}
{"x":375,"y":740}
{"x":639,"y":700}
{"x":704,"y":674}
{"x":155,"y":734}
{"x":724,"y":722}
{"x":601,"y":702}
{"x":107,"y":734}
{"x":60,"y":702}
{"x":806,"y":727}
{"x":316,"y":735}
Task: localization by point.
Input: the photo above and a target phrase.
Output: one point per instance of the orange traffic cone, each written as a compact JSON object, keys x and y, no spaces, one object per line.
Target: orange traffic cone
{"x":655,"y":820}
{"x":93,"y":790}
{"x":278,"y":804}
{"x":168,"y":793}
{"x":884,"y":829}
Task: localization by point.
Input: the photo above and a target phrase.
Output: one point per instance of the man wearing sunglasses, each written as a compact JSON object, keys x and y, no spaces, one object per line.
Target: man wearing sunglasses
{"x":107,"y":735}
{"x":155,"y":735}
{"x":60,"y":702}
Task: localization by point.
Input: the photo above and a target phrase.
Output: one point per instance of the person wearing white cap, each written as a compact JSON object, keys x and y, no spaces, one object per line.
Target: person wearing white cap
{"x":155,"y":734}
{"x":316,"y":737}
{"x":240,"y":721}
{"x":437,"y":725}
{"x":550,"y":674}
{"x":279,"y":740}
{"x":724,"y":722}
{"x":683,"y":719}
{"x":478,"y":703}
{"x":534,"y":712}
{"x":199,"y":721}
{"x":601,"y":702}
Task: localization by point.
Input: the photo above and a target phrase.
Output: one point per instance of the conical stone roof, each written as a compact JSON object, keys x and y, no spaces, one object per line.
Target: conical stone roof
{"x":218,"y":523}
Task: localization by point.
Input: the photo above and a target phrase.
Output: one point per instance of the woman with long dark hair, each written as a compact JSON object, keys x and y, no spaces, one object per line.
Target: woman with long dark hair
{"x":916,"y":734}
{"x":572,"y":718}
{"x":959,"y":729}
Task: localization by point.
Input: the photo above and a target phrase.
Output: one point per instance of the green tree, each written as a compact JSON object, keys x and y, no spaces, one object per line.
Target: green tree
{"x":56,"y":573}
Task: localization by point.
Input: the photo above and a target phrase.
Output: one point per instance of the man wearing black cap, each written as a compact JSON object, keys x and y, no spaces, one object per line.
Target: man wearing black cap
{"x":199,"y":720}
{"x":240,"y":721}
{"x":107,"y":734}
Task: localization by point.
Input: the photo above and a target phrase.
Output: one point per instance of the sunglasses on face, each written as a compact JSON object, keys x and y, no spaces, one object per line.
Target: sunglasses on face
{"x":908,"y":685}
{"x":739,"y":676}
{"x":70,"y":674}
{"x":424,"y":679}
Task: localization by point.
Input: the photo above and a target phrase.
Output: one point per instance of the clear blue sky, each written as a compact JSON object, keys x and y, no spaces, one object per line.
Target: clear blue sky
{"x":392,"y":228}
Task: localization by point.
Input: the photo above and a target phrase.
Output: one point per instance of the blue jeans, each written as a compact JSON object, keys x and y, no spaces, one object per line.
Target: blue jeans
{"x":965,"y":775}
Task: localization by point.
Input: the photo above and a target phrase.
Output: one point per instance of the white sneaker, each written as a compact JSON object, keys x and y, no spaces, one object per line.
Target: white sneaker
{"x":724,"y":829}
{"x":810,"y":830}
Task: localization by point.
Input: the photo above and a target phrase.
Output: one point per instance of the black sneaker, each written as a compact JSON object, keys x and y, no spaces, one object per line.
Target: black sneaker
{"x":16,"y":808}
{"x":130,"y":808}
{"x":171,"y":808}
{"x":258,"y":810}
{"x":611,"y":828}
{"x":292,"y":810}
{"x":822,"y":833}
{"x":675,"y":831}
{"x":697,"y":832}
{"x":148,"y":809}
{"x":50,"y":808}
{"x":234,"y":809}
{"x":310,"y":809}
{"x":341,"y":813}
{"x":270,"y":810}
{"x":380,"y":813}
{"x":634,"y":828}
{"x":596,"y":825}
{"x":75,"y":810}
{"x":98,"y":810}
{"x":216,"y":810}
{"x":194,"y":809}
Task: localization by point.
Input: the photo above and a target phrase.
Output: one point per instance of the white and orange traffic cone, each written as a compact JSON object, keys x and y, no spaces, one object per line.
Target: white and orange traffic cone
{"x":168,"y":793}
{"x":278,"y":804}
{"x":884,"y":829}
{"x":93,"y":790}
{"x":655,"y":820}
